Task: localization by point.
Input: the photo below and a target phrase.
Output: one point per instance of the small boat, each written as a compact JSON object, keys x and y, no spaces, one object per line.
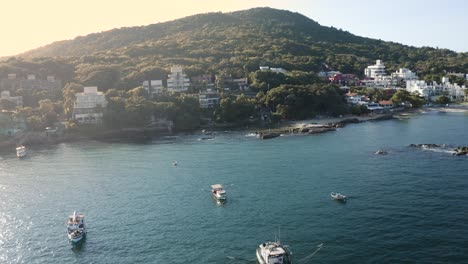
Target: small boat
{"x":76,"y":228}
{"x":274,"y":252}
{"x":21,"y":152}
{"x":338,"y":196}
{"x":207,"y":132}
{"x":175,"y":163}
{"x":218,"y":192}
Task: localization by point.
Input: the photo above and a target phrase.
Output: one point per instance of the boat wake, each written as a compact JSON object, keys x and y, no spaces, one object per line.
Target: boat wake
{"x":244,"y":260}
{"x":308,"y":257}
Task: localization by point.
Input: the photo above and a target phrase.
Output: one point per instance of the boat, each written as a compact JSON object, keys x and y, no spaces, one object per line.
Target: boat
{"x":76,"y":228}
{"x":218,"y":192}
{"x":274,"y":253}
{"x":21,"y":152}
{"x":207,"y":132}
{"x":175,"y":163}
{"x":338,"y":196}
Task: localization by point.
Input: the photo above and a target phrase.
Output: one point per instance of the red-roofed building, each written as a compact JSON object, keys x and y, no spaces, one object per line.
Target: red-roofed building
{"x":386,"y":104}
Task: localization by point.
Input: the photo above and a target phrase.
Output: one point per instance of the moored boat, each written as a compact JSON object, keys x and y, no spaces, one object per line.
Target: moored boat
{"x":76,"y":228}
{"x":218,"y":192}
{"x":338,"y":196}
{"x":274,"y":253}
{"x":21,"y":152}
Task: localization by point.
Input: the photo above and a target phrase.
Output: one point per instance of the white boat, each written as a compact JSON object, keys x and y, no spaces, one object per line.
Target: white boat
{"x":21,"y":152}
{"x":338,"y":196}
{"x":76,"y":228}
{"x":274,"y":253}
{"x":218,"y":192}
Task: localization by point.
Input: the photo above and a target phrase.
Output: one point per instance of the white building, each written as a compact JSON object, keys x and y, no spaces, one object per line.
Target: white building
{"x":454,"y":91}
{"x":17,"y":100}
{"x":277,"y":70}
{"x":208,"y":99}
{"x":153,"y":87}
{"x":404,"y":74}
{"x":177,"y":81}
{"x":88,"y":107}
{"x":353,"y":98}
{"x":373,"y":71}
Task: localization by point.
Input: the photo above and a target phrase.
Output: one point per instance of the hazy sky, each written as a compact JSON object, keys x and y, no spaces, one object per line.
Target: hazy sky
{"x":28,"y":24}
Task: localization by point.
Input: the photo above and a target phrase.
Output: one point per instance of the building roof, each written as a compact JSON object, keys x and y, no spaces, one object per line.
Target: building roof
{"x":386,"y":102}
{"x":216,"y":186}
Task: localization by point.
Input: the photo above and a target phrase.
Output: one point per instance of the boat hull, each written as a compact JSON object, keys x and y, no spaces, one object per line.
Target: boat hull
{"x":76,"y":239}
{"x":259,"y":257}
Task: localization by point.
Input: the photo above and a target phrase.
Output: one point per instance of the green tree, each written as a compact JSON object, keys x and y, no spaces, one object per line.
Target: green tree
{"x":403,"y":97}
{"x":443,"y":100}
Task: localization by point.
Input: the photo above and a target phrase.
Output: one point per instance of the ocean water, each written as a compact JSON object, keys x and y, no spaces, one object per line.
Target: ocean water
{"x":409,"y":206}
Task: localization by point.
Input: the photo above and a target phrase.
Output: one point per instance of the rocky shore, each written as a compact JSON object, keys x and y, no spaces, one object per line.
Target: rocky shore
{"x":318,"y":126}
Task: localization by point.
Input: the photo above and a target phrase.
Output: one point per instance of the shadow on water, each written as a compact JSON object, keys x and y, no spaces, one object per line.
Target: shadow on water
{"x":78,"y":247}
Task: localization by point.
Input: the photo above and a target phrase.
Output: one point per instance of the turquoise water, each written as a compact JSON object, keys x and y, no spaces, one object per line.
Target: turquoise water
{"x":405,"y":207}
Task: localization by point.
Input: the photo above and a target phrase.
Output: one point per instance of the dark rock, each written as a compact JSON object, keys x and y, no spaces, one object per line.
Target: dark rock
{"x":321,"y":130}
{"x":384,"y":117}
{"x":461,"y":151}
{"x":349,"y":121}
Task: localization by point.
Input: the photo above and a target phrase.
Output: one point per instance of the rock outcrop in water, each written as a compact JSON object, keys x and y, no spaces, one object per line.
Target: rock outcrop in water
{"x":426,"y":145}
{"x":461,"y":151}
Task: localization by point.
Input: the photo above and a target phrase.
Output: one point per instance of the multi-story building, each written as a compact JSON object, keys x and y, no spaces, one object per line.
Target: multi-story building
{"x":17,"y":100}
{"x":431,"y":91}
{"x":373,"y":71}
{"x":208,"y":99}
{"x":153,"y":87}
{"x":404,"y":74}
{"x":89,"y":106}
{"x":30,"y":83}
{"x":177,"y":80}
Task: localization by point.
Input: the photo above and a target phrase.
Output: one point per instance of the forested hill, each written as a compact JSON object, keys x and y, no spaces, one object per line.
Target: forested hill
{"x":235,"y":43}
{"x":264,"y":21}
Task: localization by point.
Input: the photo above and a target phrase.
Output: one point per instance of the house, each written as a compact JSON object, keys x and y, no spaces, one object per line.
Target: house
{"x":88,"y":107}
{"x":153,"y":87}
{"x":353,"y":98}
{"x":386,"y":104}
{"x":177,"y":80}
{"x":374,"y":107}
{"x":208,"y":99}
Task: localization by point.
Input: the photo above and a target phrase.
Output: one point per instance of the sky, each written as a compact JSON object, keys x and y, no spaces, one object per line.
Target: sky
{"x":29,"y":24}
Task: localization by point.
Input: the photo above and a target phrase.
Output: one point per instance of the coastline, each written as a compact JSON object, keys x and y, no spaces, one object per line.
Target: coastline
{"x":308,"y":126}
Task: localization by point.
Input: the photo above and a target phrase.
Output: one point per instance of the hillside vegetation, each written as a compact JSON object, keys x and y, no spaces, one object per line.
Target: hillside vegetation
{"x":234,"y":43}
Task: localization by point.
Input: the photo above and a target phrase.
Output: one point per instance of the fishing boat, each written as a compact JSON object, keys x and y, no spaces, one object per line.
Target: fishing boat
{"x":76,"y":228}
{"x":218,"y":192}
{"x":338,"y":196}
{"x":21,"y":152}
{"x":274,"y":253}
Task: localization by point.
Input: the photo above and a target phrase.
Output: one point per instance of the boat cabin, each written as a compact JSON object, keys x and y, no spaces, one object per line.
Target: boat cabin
{"x":218,"y":191}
